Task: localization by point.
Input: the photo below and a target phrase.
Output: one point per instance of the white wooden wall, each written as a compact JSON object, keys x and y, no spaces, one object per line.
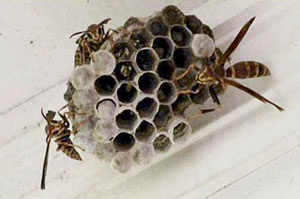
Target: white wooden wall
{"x":246,"y":150}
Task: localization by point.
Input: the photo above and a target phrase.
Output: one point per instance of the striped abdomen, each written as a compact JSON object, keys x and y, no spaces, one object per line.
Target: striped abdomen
{"x":247,"y":69}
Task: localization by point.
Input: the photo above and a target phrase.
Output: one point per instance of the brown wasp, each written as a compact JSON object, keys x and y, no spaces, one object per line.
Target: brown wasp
{"x":90,"y":41}
{"x":215,"y":76}
{"x":58,"y":129}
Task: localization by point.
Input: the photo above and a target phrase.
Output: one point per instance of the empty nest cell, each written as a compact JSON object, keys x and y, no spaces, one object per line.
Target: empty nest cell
{"x":148,"y":82}
{"x":124,"y":141}
{"x":146,"y":59}
{"x":127,"y":119}
{"x":105,"y":85}
{"x":145,"y":131}
{"x":146,"y":107}
{"x":163,"y":46}
{"x":127,"y":93}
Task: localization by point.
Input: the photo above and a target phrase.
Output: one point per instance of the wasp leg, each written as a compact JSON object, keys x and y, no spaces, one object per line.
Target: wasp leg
{"x":192,"y":66}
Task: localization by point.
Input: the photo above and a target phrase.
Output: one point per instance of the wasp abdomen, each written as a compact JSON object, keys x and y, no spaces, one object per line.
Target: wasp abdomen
{"x":247,"y":69}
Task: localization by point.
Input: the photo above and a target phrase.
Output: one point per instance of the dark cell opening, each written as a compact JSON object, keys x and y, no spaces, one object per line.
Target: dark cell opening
{"x":183,"y":57}
{"x":126,"y":119}
{"x":186,"y":82}
{"x":166,"y":92}
{"x":141,"y":38}
{"x":173,"y":15}
{"x":125,"y":71}
{"x":181,"y":103}
{"x":123,"y":50}
{"x":124,"y":141}
{"x":148,"y":82}
{"x":163,"y":47}
{"x":162,"y":117}
{"x":193,"y":24}
{"x":201,"y":96}
{"x":157,"y":26}
{"x":126,"y":93}
{"x":181,"y":36}
{"x":105,"y":85}
{"x":180,"y":131}
{"x":166,"y":69}
{"x":146,"y":107}
{"x":144,"y":131}
{"x":162,"y":143}
{"x":146,"y":59}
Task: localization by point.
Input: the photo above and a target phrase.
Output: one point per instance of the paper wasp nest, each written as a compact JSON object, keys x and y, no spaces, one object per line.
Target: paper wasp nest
{"x":132,"y":109}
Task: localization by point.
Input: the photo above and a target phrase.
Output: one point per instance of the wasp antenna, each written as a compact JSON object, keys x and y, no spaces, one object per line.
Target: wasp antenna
{"x":251,"y":92}
{"x":105,"y":21}
{"x":77,"y":33}
{"x":236,"y":41}
{"x":42,"y":111}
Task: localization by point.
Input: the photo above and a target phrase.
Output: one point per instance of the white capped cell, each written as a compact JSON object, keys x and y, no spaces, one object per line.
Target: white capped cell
{"x":105,"y":130}
{"x":104,"y":62}
{"x":82,"y":77}
{"x":85,"y":100}
{"x":143,"y":153}
{"x":106,"y":109}
{"x":105,"y":151}
{"x":122,"y":162}
{"x":203,"y":45}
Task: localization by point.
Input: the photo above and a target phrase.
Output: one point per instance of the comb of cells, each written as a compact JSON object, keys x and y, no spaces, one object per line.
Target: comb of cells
{"x":130,"y":104}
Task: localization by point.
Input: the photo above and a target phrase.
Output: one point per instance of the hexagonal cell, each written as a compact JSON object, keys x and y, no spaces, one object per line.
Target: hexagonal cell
{"x":123,"y":50}
{"x":125,"y":71}
{"x":157,"y":26}
{"x":85,"y":99}
{"x":124,"y":141}
{"x":82,"y":77}
{"x":208,"y":31}
{"x":166,"y":69}
{"x":126,"y":93}
{"x":105,"y":151}
{"x":181,"y":103}
{"x":172,"y":15}
{"x":141,"y":38}
{"x":127,"y":119}
{"x":147,"y":59}
{"x":183,"y":57}
{"x":181,"y":36}
{"x":163,"y":46}
{"x":148,"y":82}
{"x":122,"y":162}
{"x":166,"y":92}
{"x":162,"y":117}
{"x":203,"y":46}
{"x":106,"y":108}
{"x":146,"y":107}
{"x":181,"y":132}
{"x":143,"y":153}
{"x":186,"y":82}
{"x":133,"y":21}
{"x":145,"y":131}
{"x":105,"y":85}
{"x":105,"y":130}
{"x":193,"y":24}
{"x":104,"y":62}
{"x":201,"y":96}
{"x":162,"y":143}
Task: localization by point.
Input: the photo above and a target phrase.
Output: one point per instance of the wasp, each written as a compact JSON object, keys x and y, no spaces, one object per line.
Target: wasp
{"x":90,"y":41}
{"x":216,"y":77}
{"x":58,"y":129}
